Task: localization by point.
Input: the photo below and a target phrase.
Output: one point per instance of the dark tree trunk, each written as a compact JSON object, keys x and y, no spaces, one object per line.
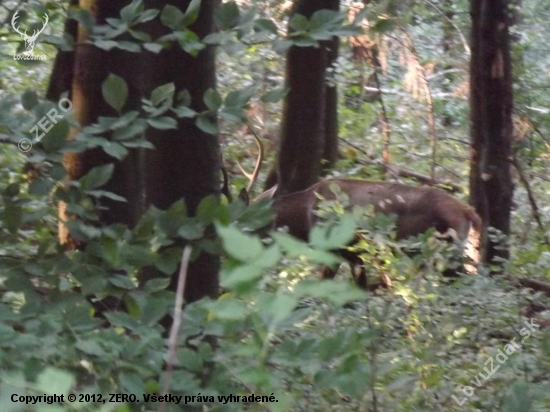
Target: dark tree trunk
{"x":185,"y":163}
{"x":330,"y":149}
{"x":91,"y":66}
{"x":304,"y":116}
{"x":61,"y":79}
{"x":491,"y":187}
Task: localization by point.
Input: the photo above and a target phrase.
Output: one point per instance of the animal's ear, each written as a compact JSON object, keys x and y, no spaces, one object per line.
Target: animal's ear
{"x":243,"y":195}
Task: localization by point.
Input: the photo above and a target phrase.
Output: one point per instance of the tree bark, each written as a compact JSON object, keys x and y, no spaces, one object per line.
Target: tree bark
{"x":330,"y":140}
{"x":304,"y":110}
{"x":91,"y":67}
{"x":491,"y":187}
{"x":185,"y":163}
{"x":61,"y":79}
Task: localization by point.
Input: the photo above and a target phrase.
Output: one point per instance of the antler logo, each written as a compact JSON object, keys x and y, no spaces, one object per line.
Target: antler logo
{"x":30,"y":40}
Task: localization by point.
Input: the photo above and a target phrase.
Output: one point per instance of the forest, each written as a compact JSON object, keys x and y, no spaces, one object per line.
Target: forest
{"x":274,"y":205}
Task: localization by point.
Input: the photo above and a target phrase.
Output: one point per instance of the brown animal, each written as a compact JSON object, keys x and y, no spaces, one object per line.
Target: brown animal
{"x":418,"y":209}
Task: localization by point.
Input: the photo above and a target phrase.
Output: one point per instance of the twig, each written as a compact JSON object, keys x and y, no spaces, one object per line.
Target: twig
{"x":448,"y":185}
{"x":429,"y":100}
{"x":532,"y":200}
{"x":462,"y":38}
{"x":174,"y":330}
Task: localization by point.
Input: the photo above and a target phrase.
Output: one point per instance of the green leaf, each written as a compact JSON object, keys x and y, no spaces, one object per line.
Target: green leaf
{"x":105,"y":44}
{"x":191,"y":231}
{"x":520,"y":398}
{"x":324,"y":19}
{"x":129,"y":46}
{"x":322,"y":257}
{"x":161,"y":93}
{"x":227,"y":15}
{"x":184,"y":98}
{"x":184,"y":112}
{"x":147,"y":15}
{"x":229,"y":309}
{"x":169,"y":260}
{"x":123,"y":282}
{"x":40,"y":187}
{"x":84,"y":17}
{"x":136,"y":128}
{"x":115,"y":91}
{"x":55,"y":139}
{"x":131,"y":11}
{"x":282,"y":306}
{"x":90,"y":347}
{"x":239,"y":98}
{"x":212,"y":99}
{"x":383,"y":26}
{"x":218,"y":38}
{"x":12,"y":190}
{"x":266,"y":25}
{"x":190,"y":360}
{"x":242,"y":247}
{"x":299,"y":23}
{"x":29,"y":99}
{"x":192,"y":13}
{"x":172,"y":219}
{"x":97,"y":177}
{"x":293,"y":246}
{"x":206,"y":125}
{"x":274,"y":96}
{"x":115,"y":150}
{"x":171,"y":17}
{"x":141,"y":36}
{"x":12,"y":217}
{"x":54,"y":381}
{"x":335,"y":236}
{"x":163,"y":123}
{"x":208,"y":209}
{"x":132,"y":382}
{"x":153,"y":47}
{"x":155,"y":285}
{"x":121,"y":319}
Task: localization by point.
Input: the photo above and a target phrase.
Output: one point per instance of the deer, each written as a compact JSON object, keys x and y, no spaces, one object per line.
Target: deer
{"x":29,"y":40}
{"x":417,"y":210}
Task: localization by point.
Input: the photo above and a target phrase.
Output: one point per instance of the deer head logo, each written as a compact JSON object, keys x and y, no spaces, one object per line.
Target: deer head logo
{"x":29,"y":40}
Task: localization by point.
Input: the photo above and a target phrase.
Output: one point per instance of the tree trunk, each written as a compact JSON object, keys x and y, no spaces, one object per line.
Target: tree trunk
{"x":91,"y":67}
{"x":491,"y":187}
{"x":185,"y":163}
{"x":303,"y":124}
{"x":61,"y":79}
{"x":330,"y":143}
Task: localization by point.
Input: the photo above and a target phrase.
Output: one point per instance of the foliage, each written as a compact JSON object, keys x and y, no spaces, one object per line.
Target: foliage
{"x":313,"y":345}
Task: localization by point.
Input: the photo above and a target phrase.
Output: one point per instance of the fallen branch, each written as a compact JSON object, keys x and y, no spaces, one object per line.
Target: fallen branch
{"x":537,"y":285}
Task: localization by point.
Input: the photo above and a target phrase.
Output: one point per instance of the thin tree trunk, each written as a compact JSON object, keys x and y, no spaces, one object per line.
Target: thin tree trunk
{"x":302,"y":129}
{"x":330,"y":144}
